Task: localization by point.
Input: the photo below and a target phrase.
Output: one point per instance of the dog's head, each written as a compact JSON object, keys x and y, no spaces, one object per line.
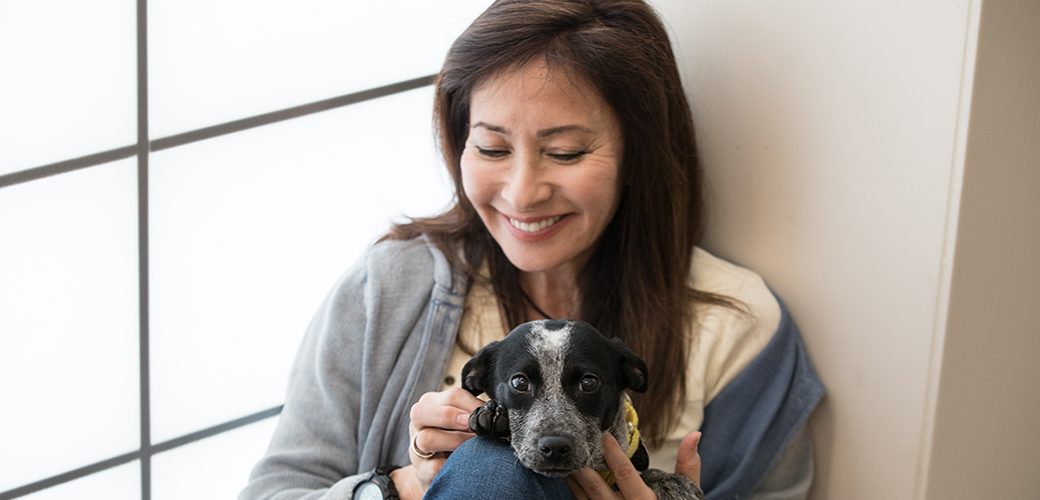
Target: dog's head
{"x":562,"y":384}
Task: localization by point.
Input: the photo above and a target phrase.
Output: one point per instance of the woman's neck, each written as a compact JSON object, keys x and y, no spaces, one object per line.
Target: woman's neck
{"x":555,"y":294}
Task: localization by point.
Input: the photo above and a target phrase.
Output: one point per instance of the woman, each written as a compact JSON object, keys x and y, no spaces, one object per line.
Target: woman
{"x":578,"y":195}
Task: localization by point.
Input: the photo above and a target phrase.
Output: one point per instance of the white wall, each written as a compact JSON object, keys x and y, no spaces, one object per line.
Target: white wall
{"x":986,"y":438}
{"x":834,"y":135}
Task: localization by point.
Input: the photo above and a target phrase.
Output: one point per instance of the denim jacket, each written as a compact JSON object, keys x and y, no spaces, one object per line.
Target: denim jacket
{"x":382,"y":338}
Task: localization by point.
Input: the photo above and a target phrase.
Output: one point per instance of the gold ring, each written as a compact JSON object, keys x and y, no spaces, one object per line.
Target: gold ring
{"x":415,"y":449}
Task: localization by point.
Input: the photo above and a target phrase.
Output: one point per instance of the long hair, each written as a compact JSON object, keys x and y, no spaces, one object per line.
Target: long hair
{"x":634,"y":286}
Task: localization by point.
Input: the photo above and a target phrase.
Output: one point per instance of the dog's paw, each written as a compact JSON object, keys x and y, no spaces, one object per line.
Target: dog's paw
{"x":490,"y":419}
{"x":669,"y":486}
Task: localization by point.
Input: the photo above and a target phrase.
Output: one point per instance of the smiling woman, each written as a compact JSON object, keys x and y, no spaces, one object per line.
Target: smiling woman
{"x":564,"y":126}
{"x":595,"y":79}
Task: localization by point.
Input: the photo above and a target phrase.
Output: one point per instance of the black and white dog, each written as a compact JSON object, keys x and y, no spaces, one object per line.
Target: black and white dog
{"x":556,"y":386}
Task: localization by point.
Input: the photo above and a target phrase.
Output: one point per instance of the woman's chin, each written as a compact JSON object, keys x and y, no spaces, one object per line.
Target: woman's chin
{"x":534,"y":265}
{"x":545,"y":260}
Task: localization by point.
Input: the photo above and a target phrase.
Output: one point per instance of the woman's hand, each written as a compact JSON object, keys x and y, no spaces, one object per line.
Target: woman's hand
{"x":587,"y":484}
{"x":689,"y":460}
{"x":440,"y":423}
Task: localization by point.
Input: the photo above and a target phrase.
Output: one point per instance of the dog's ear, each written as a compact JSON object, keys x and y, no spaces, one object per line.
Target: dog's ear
{"x":633,"y":370}
{"x":477,"y":371}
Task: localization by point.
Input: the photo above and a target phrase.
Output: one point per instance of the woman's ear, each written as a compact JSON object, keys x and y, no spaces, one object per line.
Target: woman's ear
{"x":477,"y":370}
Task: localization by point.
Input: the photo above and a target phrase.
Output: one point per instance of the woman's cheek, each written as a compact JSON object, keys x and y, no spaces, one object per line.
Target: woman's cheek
{"x":472,"y":183}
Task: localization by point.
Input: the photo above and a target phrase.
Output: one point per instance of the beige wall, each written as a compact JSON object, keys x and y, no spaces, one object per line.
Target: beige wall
{"x":987,"y":420}
{"x":835,"y":137}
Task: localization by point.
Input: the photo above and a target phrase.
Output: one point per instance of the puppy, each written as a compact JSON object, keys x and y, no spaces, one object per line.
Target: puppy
{"x":556,"y":386}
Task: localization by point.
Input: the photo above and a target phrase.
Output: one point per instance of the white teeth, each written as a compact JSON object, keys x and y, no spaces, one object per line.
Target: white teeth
{"x":533,"y":227}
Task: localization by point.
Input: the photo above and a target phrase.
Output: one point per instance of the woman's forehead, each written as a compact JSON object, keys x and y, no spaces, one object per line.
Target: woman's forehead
{"x":540,"y":99}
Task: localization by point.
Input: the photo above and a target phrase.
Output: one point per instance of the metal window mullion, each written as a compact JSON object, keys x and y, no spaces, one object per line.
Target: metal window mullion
{"x":139,"y":454}
{"x":143,"y":143}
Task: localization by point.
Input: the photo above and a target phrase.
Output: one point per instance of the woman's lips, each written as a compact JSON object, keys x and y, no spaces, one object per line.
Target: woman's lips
{"x":533,"y":229}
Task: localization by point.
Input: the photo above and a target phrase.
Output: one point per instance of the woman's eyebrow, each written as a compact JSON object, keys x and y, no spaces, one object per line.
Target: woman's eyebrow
{"x":566,"y":128}
{"x":541,"y":133}
{"x":493,"y":128}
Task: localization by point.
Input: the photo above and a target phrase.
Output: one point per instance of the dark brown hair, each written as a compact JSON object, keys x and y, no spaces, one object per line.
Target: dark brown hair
{"x":634,"y":286}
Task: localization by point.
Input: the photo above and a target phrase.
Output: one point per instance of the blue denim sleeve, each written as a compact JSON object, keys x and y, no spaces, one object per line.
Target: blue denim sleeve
{"x":791,"y":475}
{"x":749,"y":424}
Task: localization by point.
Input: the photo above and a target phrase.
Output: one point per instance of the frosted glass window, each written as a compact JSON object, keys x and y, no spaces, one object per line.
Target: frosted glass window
{"x":68,"y":71}
{"x":69,"y":370}
{"x":249,"y":231}
{"x":212,"y":62}
{"x":216,"y":467}
{"x":119,"y":483}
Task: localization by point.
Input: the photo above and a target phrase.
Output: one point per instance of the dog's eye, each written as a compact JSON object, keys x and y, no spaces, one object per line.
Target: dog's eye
{"x":520,"y":383}
{"x":589,"y":383}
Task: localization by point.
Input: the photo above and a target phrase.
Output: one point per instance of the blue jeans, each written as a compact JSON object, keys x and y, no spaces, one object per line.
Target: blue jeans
{"x":486,"y":468}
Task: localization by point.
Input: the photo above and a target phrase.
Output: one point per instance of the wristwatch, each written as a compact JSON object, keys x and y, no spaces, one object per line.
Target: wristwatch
{"x":379,"y":486}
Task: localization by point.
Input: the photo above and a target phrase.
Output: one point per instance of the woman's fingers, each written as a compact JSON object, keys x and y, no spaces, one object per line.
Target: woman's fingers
{"x":689,"y":461}
{"x":432,"y":440}
{"x":586,"y":483}
{"x":426,"y":469}
{"x":440,"y":416}
{"x":436,"y":441}
{"x":456,"y":397}
{"x":445,"y":410}
{"x":576,"y":490}
{"x":408,"y":487}
{"x":628,"y":479}
{"x":591,"y":485}
{"x":439,"y":424}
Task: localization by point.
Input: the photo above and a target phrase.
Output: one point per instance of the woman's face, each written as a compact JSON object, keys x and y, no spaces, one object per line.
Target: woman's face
{"x":541,"y":165}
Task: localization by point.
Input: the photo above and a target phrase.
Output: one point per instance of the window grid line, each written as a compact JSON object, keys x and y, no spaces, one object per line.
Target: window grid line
{"x":289,"y":113}
{"x":142,"y":246}
{"x":213,"y":131}
{"x":139,"y":454}
{"x":66,"y":166}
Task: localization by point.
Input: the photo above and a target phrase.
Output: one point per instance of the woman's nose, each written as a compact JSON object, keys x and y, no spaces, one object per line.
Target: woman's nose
{"x":527,"y":184}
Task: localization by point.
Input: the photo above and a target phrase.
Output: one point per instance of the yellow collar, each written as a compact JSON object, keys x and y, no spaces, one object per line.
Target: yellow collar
{"x":633,"y":437}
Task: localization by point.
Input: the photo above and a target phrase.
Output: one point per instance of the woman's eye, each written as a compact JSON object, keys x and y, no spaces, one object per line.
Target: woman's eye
{"x":520,"y":383}
{"x":567,"y":157}
{"x":492,"y":153}
{"x":589,"y":383}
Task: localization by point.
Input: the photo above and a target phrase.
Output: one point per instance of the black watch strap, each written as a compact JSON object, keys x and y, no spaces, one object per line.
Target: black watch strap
{"x":385,"y":483}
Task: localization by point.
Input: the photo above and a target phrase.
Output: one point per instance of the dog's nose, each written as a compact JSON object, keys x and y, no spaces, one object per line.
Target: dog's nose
{"x":554,"y":447}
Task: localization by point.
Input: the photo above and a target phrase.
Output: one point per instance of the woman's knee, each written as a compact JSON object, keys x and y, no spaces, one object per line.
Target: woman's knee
{"x":487,"y":465}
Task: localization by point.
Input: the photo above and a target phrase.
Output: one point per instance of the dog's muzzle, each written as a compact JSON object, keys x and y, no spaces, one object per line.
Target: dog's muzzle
{"x":555,"y":449}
